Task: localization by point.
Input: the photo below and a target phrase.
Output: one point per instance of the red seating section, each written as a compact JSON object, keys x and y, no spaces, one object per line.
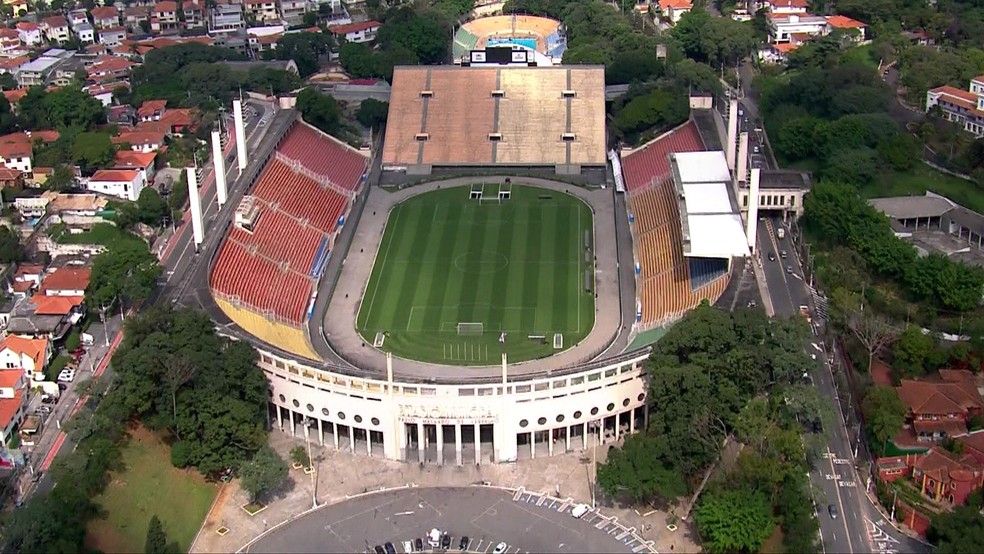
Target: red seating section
{"x":269,"y":270}
{"x":260,"y":283}
{"x":650,"y":164}
{"x":324,"y":155}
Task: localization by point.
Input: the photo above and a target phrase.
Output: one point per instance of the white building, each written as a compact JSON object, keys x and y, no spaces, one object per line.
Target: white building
{"x":122,"y":183}
{"x":24,"y":355}
{"x":673,"y":10}
{"x":263,"y":11}
{"x":30,"y":33}
{"x":364,"y":31}
{"x":782,"y":27}
{"x":786,"y":7}
{"x":963,"y":107}
{"x":55,"y":29}
{"x":77,"y":17}
{"x":292,"y":11}
{"x":85,"y":32}
{"x":112,"y":36}
{"x":226,"y":18}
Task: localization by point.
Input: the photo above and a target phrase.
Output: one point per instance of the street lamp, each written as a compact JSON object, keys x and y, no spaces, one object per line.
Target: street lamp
{"x":314,"y":483}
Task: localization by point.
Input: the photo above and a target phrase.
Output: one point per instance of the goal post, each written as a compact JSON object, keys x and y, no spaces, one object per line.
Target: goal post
{"x":471,"y":329}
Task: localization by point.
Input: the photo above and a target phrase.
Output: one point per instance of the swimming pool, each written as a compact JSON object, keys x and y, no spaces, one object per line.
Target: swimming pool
{"x":527,"y":42}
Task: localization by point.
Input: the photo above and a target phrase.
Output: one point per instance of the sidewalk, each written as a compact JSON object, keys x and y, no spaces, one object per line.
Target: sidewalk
{"x":344,"y":474}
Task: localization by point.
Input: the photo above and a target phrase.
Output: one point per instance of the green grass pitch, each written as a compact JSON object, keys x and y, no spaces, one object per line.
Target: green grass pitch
{"x":517,"y":267}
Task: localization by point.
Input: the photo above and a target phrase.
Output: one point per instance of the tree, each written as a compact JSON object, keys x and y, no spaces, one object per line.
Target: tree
{"x":263,"y":474}
{"x":150,"y":207}
{"x":92,"y":151}
{"x":62,"y":178}
{"x":299,"y":455}
{"x":156,"y":538}
{"x":884,"y":414}
{"x":734,"y":521}
{"x":306,"y":49}
{"x":960,"y":531}
{"x":176,"y":373}
{"x":125,"y":272}
{"x":872,"y":330}
{"x":372,"y":113}
{"x":912,"y":351}
{"x":10,"y":246}
{"x":424,"y":32}
{"x":358,"y":60}
{"x":72,"y":107}
{"x":636,"y":472}
{"x":320,"y":110}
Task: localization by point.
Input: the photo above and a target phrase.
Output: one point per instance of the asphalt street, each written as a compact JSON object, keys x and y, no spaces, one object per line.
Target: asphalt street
{"x":487,"y":516}
{"x":858,"y":526}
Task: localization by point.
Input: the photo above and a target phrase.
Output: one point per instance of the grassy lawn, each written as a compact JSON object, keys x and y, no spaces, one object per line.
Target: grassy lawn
{"x":149,"y":485}
{"x":862,"y":54}
{"x":923,"y":178}
{"x":517,"y":267}
{"x":101,"y":233}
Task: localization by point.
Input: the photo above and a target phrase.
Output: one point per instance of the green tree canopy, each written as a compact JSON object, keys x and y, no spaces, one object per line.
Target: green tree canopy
{"x":126,"y":272}
{"x":320,"y":110}
{"x":884,"y":414}
{"x":633,"y":470}
{"x":156,"y":538}
{"x":306,"y":49}
{"x":424,"y":32}
{"x":734,"y":521}
{"x":263,"y":474}
{"x":372,"y":113}
{"x":10,"y":246}
{"x":960,"y":531}
{"x":92,"y":151}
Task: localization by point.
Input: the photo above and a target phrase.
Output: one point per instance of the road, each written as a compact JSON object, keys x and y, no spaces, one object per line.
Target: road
{"x":859,"y":525}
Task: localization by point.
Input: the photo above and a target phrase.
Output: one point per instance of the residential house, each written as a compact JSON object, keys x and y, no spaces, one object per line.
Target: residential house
{"x":787,"y":6}
{"x":85,"y":33}
{"x":16,"y":152}
{"x":110,"y":69}
{"x":263,"y":42}
{"x":261,"y":11}
{"x":121,"y":115}
{"x":919,"y":37}
{"x":165,"y":17}
{"x":27,"y":278}
{"x":363,"y":31}
{"x":672,"y":10}
{"x":42,"y":316}
{"x":31,"y":207}
{"x":226,"y":18}
{"x":965,"y":108}
{"x":782,"y":27}
{"x":292,"y":11}
{"x":10,"y":43}
{"x":66,"y":281}
{"x":19,"y":8}
{"x":55,"y":29}
{"x":104,"y":17}
{"x":121,"y":183}
{"x":29,"y":32}
{"x":141,"y":141}
{"x":172,"y":122}
{"x":42,"y":70}
{"x":13,"y":408}
{"x":852,"y":27}
{"x":134,"y":15}
{"x":104,"y":91}
{"x":14,"y":97}
{"x":77,"y":17}
{"x":194,"y":14}
{"x":11,"y":65}
{"x":940,"y":409}
{"x":151,"y":110}
{"x":140,"y":161}
{"x":112,"y":36}
{"x":30,"y":356}
{"x":11,"y":178}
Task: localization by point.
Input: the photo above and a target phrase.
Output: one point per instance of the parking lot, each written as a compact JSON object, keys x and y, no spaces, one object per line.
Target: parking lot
{"x":525,"y":522}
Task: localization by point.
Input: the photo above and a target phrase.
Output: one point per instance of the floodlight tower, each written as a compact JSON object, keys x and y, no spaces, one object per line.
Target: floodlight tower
{"x":195,"y":202}
{"x":729,"y":150}
{"x":237,"y":106}
{"x":218,"y":162}
{"x":753,"y":207}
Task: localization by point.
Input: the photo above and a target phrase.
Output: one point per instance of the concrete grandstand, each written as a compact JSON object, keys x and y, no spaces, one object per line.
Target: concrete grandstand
{"x":684,"y":224}
{"x":266,"y":272}
{"x":453,"y":117}
{"x":543,"y":35}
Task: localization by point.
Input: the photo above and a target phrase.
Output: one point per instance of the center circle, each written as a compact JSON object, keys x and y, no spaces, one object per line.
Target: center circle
{"x":480,"y":262}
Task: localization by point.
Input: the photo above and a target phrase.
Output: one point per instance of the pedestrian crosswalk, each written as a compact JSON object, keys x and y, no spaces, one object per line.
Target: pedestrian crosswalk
{"x":881,"y":541}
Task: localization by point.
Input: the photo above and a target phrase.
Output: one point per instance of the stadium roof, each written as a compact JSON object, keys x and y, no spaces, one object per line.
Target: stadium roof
{"x":911,"y":207}
{"x":711,"y":225}
{"x":484,"y":116}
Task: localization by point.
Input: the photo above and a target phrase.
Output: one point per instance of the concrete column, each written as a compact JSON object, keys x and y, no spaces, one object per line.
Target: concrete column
{"x":440,"y":444}
{"x":550,"y":441}
{"x":457,"y":445}
{"x":601,"y":431}
{"x":532,"y":445}
{"x":741,"y":164}
{"x":478,"y":444}
{"x":218,"y":162}
{"x":368,"y":442}
{"x":291,"y":414}
{"x":334,"y":434}
{"x":753,"y":197}
{"x":280,"y":418}
{"x":567,"y":438}
{"x":321,"y":433}
{"x":351,"y":439}
{"x":729,"y":149}
{"x":307,"y":432}
{"x":632,"y":421}
{"x":420,"y":440}
{"x":195,"y":203}
{"x":237,"y":107}
{"x":584,"y":436}
{"x":618,"y":427}
{"x":401,"y":438}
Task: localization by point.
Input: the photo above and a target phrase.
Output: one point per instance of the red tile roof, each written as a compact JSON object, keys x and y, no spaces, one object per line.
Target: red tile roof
{"x":650,"y":163}
{"x":55,"y":305}
{"x":8,"y":174}
{"x":104,"y":12}
{"x":15,"y":145}
{"x":22,"y":286}
{"x":9,"y":33}
{"x":55,"y":21}
{"x":114,"y":175}
{"x":325,"y":155}
{"x":675,"y":4}
{"x":974,"y":440}
{"x":930,"y":398}
{"x":9,"y":407}
{"x":36,"y":349}
{"x":150,"y":107}
{"x":137,"y":138}
{"x":785,"y":47}
{"x":134,"y":159}
{"x":944,"y":466}
{"x":44,"y":135}
{"x":844,"y":22}
{"x":67,"y":279}
{"x":14,"y":96}
{"x":27,"y":26}
{"x":789,"y":4}
{"x":166,"y":6}
{"x":110,"y":64}
{"x":354,"y":27}
{"x":10,"y":377}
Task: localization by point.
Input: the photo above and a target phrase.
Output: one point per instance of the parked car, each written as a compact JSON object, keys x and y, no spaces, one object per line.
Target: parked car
{"x":66,"y":375}
{"x":379,"y":550}
{"x":418,"y":544}
{"x":389,"y":548}
{"x":43,"y":410}
{"x":500,"y":548}
{"x":446,"y":541}
{"x":789,"y":269}
{"x":463,"y":544}
{"x":579,"y":510}
{"x":783,"y":254}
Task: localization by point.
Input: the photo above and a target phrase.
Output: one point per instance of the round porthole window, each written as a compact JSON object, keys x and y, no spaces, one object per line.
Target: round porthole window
{"x":642,"y":396}
{"x":358,"y":419}
{"x":577,"y":414}
{"x":310,"y":408}
{"x":523,"y":423}
{"x":283,"y":398}
{"x":341,"y":415}
{"x":374,"y":421}
{"x":625,"y":402}
{"x":297,"y":404}
{"x":325,"y":412}
{"x":611,"y":406}
{"x":542,"y":421}
{"x":560,"y":418}
{"x":594,"y":411}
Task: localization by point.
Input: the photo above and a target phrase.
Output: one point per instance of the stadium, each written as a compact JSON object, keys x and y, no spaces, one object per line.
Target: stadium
{"x":542,"y":36}
{"x":471,"y":319}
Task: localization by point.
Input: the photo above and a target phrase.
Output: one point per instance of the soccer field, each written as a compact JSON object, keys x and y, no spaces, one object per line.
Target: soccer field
{"x":517,"y":267}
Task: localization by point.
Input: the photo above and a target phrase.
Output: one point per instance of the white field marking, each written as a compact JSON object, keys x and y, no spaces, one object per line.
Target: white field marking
{"x":399,"y":211}
{"x":578,"y":277}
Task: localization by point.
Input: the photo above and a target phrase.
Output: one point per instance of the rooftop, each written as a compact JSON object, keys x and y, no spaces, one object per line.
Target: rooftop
{"x":67,"y":279}
{"x":354,"y":27}
{"x":650,"y":163}
{"x":844,"y":22}
{"x":36,"y":349}
{"x":911,"y":207}
{"x":114,"y":175}
{"x":9,"y":407}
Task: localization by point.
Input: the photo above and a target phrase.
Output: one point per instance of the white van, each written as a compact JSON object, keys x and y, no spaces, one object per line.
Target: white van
{"x":579,"y":510}
{"x":434,"y":538}
{"x":407,"y":547}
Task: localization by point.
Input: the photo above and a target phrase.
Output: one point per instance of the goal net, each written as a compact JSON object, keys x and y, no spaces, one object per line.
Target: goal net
{"x":471,"y":329}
